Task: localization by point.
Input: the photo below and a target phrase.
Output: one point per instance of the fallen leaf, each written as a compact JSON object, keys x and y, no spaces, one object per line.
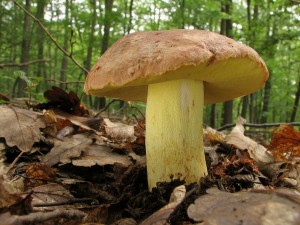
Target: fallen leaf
{"x":126,"y":221}
{"x":41,"y":217}
{"x":257,"y":152}
{"x":67,"y":149}
{"x":100,"y":155}
{"x":38,"y":174}
{"x":248,"y":208}
{"x":7,"y":197}
{"x":60,"y":99}
{"x":48,"y":196}
{"x":283,"y":174}
{"x":161,"y":216}
{"x":80,"y":150}
{"x":285,"y":143}
{"x":119,"y":131}
{"x":212,"y":136}
{"x":20,"y":127}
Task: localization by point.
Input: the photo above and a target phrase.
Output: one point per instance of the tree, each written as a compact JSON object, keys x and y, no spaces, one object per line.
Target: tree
{"x":20,"y":84}
{"x":64,"y":63}
{"x":41,"y":4}
{"x":226,"y":29}
{"x":100,"y":102}
{"x":296,"y":104}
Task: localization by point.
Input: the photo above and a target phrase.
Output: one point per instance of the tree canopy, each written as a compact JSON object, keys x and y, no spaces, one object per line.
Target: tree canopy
{"x":45,"y":45}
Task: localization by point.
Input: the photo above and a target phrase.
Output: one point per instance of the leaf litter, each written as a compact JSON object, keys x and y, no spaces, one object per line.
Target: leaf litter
{"x":78,"y":169}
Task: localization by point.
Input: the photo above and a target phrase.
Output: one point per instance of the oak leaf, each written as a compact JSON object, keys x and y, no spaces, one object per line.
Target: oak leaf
{"x":285,"y":143}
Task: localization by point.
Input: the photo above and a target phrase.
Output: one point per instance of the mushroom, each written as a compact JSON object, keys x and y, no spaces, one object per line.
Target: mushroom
{"x":176,"y":72}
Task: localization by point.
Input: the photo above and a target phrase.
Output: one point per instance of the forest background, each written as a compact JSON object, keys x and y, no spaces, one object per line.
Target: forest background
{"x":79,"y":31}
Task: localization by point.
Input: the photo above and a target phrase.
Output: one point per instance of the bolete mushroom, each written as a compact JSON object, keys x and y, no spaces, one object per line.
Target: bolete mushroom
{"x":176,"y":72}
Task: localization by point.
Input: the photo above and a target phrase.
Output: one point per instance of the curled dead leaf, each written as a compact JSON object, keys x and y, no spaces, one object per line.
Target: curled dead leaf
{"x":257,"y":152}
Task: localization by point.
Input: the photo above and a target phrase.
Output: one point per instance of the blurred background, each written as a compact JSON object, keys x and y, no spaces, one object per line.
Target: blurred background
{"x":32,"y":60}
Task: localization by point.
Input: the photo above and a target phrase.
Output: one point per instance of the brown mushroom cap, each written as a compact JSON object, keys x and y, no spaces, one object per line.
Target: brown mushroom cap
{"x":228,"y":68}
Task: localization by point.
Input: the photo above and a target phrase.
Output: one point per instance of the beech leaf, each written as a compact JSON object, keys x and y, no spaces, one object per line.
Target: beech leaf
{"x":119,"y":131}
{"x":257,"y":152}
{"x":20,"y":127}
{"x":101,"y":155}
{"x":281,"y":206}
{"x":66,"y":150}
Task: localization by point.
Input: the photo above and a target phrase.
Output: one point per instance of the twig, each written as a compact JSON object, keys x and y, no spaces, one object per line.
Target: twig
{"x":263,"y":125}
{"x":14,"y":162}
{"x":64,"y":82}
{"x":68,"y":202}
{"x":51,"y":37}
{"x":106,"y":107}
{"x":41,"y":217}
{"x":24,"y":64}
{"x":134,"y":107}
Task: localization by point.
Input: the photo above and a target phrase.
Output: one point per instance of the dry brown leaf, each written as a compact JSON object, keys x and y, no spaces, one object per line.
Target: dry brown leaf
{"x":50,"y":194}
{"x":85,"y":123}
{"x":285,"y":143}
{"x":67,"y":149}
{"x":212,"y":136}
{"x":100,"y":155}
{"x":60,"y":99}
{"x":161,"y":216}
{"x":257,"y":152}
{"x":126,"y":221}
{"x":41,"y":217}
{"x":248,"y":208}
{"x":80,"y":150}
{"x":119,"y":131}
{"x":7,"y":198}
{"x":38,"y":174}
{"x":20,"y":127}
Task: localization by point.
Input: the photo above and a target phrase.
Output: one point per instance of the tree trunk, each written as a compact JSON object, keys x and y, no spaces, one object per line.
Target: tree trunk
{"x":182,"y":14}
{"x":40,"y":41}
{"x":296,"y":104}
{"x":25,"y":50}
{"x":64,"y":63}
{"x":107,"y":25}
{"x":270,"y":42}
{"x":129,"y":27}
{"x":251,"y":40}
{"x":91,"y":36}
{"x":213,"y":115}
{"x":89,"y":56}
{"x":100,"y":102}
{"x":226,"y":29}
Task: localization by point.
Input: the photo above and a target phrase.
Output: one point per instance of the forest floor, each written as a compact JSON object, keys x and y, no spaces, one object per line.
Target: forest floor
{"x":60,"y":165}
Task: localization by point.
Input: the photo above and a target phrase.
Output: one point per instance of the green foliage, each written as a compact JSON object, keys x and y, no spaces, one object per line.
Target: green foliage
{"x":271,"y":27}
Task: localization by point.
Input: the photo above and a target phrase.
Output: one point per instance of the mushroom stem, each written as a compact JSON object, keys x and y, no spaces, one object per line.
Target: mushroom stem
{"x":174,"y":135}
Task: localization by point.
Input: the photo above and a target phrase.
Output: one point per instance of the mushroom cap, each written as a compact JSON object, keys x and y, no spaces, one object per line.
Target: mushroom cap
{"x":228,"y":68}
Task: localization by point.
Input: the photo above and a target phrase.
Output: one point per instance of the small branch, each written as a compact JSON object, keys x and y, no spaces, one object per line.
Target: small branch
{"x":65,"y":82}
{"x":51,"y":37}
{"x":15,"y":161}
{"x":106,"y":107}
{"x":68,"y":202}
{"x":24,"y":64}
{"x":41,"y":217}
{"x":263,"y":125}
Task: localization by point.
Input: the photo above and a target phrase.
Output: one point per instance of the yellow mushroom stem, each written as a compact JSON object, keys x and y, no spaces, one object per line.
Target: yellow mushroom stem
{"x":174,"y":135}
